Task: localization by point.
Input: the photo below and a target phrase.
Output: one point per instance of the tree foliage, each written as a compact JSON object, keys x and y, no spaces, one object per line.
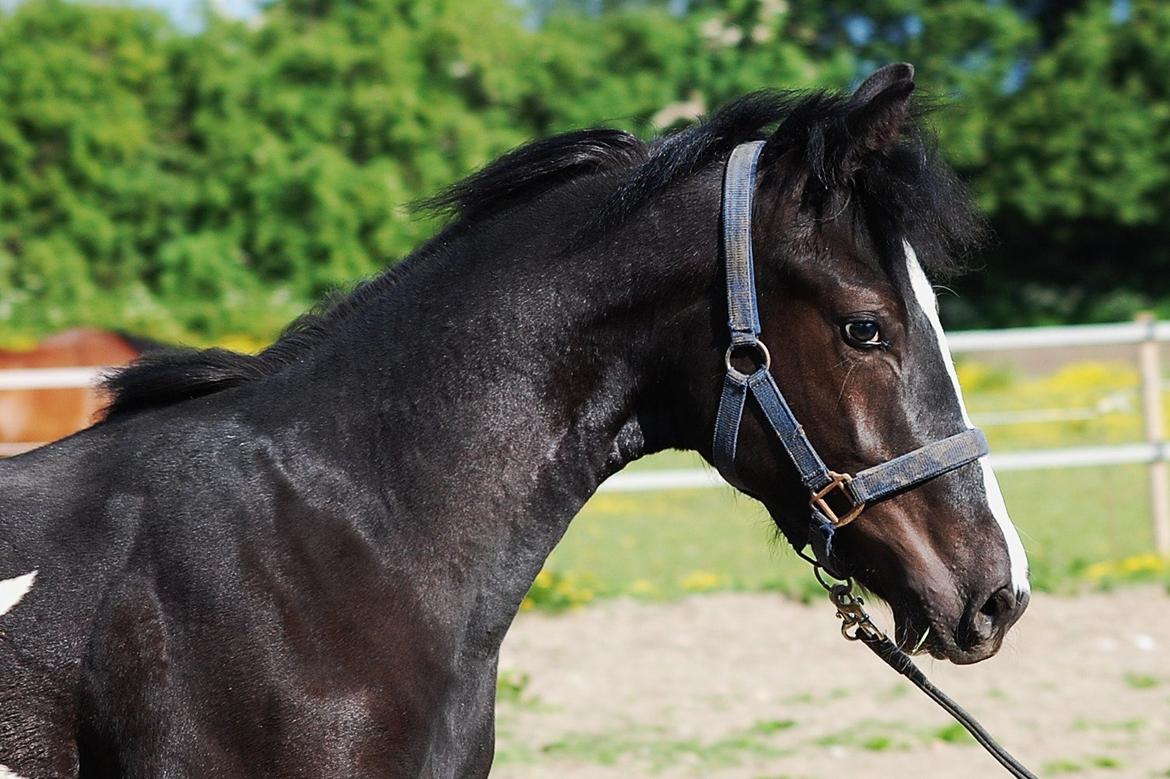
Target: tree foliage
{"x":193,"y":185}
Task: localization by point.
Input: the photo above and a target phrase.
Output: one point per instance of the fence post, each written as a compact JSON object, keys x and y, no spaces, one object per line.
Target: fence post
{"x":1149,"y":356}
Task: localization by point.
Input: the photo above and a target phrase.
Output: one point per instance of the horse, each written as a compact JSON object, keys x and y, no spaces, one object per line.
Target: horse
{"x":34,"y":416}
{"x":303,"y":562}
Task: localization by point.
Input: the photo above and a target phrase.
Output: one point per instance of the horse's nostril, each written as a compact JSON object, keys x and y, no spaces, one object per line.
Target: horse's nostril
{"x":995,"y":615}
{"x":999,"y":604}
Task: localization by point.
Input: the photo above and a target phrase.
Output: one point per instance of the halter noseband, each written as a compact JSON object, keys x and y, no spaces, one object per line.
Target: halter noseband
{"x":855,"y":491}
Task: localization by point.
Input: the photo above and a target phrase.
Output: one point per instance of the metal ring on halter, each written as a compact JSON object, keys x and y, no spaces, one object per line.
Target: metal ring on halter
{"x":765,"y":356}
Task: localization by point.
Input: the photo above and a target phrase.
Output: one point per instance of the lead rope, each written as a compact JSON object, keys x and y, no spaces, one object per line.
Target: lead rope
{"x":851,"y":612}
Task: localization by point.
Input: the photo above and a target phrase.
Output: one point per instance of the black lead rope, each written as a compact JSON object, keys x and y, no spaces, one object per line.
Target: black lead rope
{"x":851,"y":611}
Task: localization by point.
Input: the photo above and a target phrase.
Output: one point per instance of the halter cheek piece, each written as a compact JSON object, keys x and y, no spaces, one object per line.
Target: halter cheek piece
{"x":850,"y":493}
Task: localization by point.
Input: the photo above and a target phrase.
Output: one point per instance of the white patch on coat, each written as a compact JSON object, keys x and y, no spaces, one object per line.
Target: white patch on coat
{"x":8,"y":773}
{"x":928,"y":301}
{"x":11,"y":593}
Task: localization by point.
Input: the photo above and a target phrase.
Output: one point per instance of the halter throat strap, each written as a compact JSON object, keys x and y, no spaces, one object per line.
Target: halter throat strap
{"x":836,"y":498}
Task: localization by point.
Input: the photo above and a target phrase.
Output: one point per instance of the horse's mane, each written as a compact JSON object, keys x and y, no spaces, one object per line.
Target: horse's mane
{"x":164,"y":377}
{"x":907,"y":178}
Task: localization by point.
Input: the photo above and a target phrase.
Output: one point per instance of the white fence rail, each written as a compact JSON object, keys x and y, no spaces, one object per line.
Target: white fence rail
{"x":1145,"y":332}
{"x":1031,"y":460}
{"x":1141,"y":331}
{"x":50,"y":378}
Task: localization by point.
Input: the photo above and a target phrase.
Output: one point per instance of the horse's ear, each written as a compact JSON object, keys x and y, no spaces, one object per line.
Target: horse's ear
{"x":837,"y":135}
{"x":879,"y":108}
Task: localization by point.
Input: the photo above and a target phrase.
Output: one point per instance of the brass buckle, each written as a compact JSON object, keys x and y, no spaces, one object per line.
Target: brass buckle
{"x":839,"y":480}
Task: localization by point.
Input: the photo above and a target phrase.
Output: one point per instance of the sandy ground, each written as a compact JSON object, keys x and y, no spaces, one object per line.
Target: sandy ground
{"x":753,"y":685}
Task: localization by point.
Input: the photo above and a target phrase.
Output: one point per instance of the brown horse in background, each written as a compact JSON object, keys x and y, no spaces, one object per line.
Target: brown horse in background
{"x":34,"y":416}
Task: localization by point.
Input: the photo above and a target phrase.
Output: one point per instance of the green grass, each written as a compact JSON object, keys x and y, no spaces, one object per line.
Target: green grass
{"x":1136,"y":681}
{"x":953,"y":734}
{"x":1058,"y":767}
{"x":666,"y":544}
{"x":511,"y":686}
{"x":656,"y":748}
{"x":1066,"y":766}
{"x":768,"y":727}
{"x":872,"y":736}
{"x":1072,"y":518}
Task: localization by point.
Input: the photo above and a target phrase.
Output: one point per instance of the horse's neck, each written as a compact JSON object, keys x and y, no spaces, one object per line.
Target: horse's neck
{"x":519,"y":386}
{"x":497,"y":403}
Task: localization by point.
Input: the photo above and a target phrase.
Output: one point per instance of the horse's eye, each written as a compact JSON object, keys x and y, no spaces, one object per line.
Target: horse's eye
{"x":863,"y":333}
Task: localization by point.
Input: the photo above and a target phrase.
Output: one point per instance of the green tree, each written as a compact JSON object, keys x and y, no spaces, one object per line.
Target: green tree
{"x":84,"y":93}
{"x":197,"y":185}
{"x":1076,"y":175}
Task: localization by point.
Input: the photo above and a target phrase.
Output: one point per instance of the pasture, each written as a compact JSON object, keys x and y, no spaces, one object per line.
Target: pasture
{"x":663,"y":545}
{"x":609,"y":671}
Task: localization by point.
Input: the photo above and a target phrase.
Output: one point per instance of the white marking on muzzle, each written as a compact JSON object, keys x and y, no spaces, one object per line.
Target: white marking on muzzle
{"x":928,"y":301}
{"x":11,"y":593}
{"x":8,"y":773}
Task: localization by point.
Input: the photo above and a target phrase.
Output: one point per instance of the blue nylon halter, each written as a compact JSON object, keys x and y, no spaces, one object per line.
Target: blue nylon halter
{"x":856,"y":491}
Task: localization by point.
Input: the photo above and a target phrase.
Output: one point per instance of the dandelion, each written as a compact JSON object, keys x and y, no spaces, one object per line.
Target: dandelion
{"x":642,"y":587}
{"x":1134,"y":567}
{"x":701,"y":581}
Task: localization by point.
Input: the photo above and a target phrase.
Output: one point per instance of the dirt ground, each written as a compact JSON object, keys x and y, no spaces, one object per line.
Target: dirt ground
{"x":753,"y":686}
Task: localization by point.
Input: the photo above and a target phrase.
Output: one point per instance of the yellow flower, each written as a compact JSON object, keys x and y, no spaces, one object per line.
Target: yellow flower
{"x":1128,"y":567}
{"x":1099,"y":570}
{"x":700,"y":581}
{"x":642,"y":587}
{"x":1146,"y":563}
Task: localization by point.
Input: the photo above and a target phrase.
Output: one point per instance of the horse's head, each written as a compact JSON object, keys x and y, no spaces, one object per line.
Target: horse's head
{"x":850,"y":207}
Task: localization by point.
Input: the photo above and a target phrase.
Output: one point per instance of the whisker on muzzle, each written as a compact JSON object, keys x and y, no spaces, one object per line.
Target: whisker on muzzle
{"x":918,"y":647}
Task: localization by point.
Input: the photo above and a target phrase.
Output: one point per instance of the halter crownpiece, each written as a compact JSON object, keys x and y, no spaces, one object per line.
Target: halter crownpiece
{"x":855,"y":491}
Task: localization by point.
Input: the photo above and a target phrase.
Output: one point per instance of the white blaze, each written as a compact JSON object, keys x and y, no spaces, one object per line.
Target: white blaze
{"x":11,"y":593}
{"x":924,"y":294}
